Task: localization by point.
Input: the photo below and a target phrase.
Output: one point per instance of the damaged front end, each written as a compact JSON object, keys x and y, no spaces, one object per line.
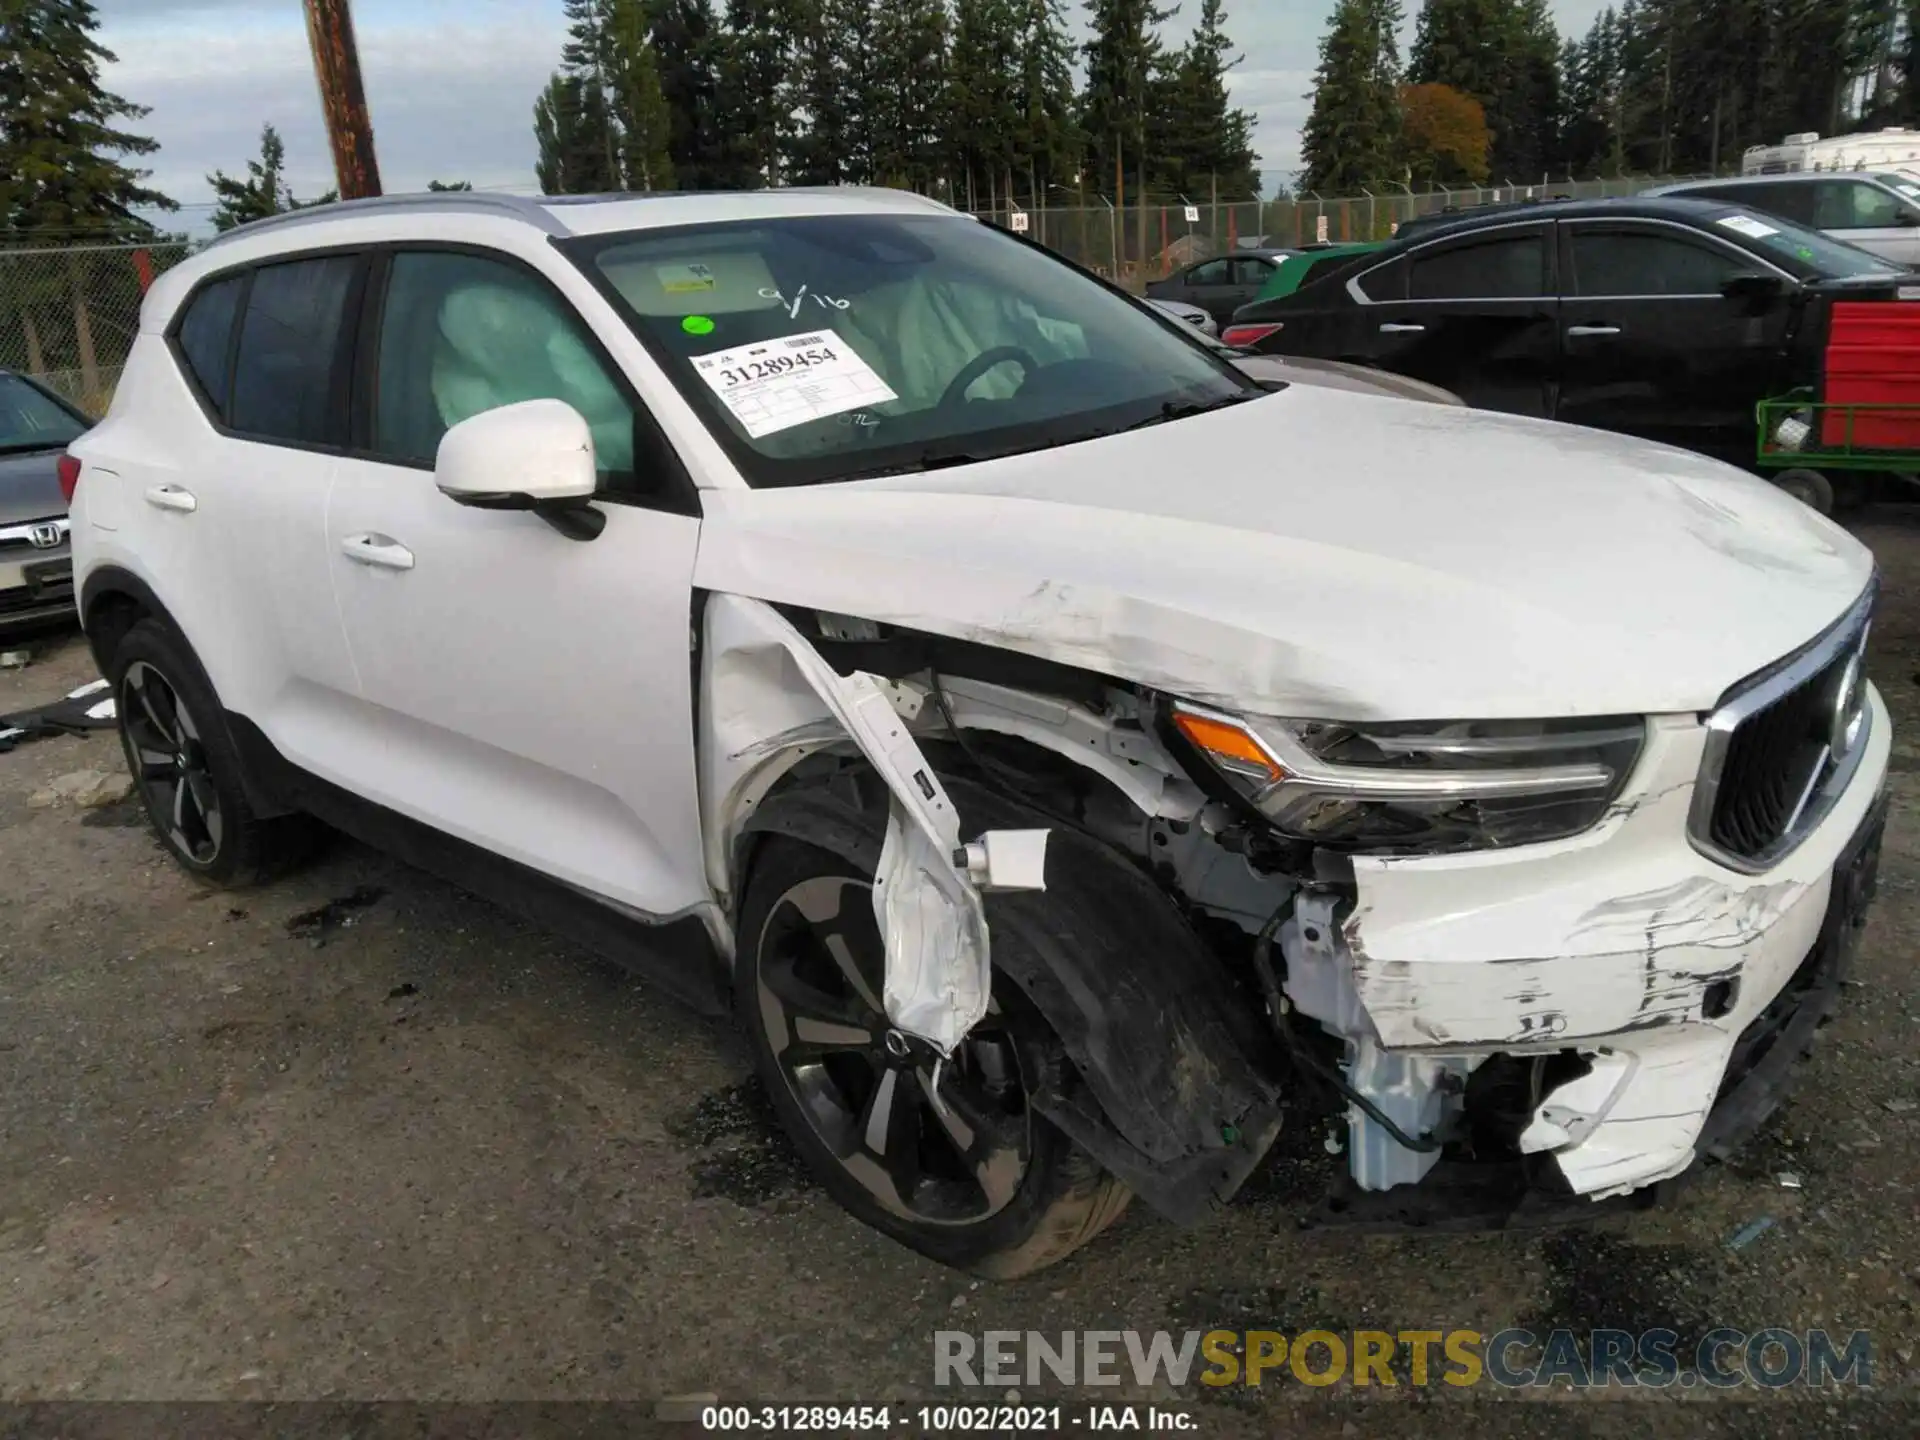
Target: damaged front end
{"x":1518,"y":1032}
{"x":1514,"y":954}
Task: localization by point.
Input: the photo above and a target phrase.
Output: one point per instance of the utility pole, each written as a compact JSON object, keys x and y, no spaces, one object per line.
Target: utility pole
{"x":343,"y":100}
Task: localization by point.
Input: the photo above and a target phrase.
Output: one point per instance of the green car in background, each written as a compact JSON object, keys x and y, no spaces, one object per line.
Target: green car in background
{"x":1295,"y":270}
{"x":1290,"y":275}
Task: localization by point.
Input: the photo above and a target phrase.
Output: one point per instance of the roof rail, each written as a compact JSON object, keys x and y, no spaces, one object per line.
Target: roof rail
{"x":471,"y":202}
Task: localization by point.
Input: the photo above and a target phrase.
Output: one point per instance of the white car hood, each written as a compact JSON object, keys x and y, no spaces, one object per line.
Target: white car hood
{"x":1326,"y":555}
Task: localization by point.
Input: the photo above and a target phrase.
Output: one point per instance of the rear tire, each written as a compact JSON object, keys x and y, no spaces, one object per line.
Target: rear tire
{"x":1809,"y":487}
{"x":186,"y":769}
{"x":1018,"y":1195}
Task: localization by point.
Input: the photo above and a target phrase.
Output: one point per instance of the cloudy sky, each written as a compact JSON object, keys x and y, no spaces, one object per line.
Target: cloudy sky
{"x":451,"y":82}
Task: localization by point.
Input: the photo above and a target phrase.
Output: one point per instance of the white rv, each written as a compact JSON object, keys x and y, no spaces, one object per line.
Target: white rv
{"x":1892,"y":149}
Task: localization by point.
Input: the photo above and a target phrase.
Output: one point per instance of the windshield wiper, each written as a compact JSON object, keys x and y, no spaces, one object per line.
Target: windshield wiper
{"x":933,"y":459}
{"x":1184,"y":409}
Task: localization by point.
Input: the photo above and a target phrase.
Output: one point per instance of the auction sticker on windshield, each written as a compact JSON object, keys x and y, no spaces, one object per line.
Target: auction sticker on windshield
{"x":777,"y":384}
{"x":1748,"y":226}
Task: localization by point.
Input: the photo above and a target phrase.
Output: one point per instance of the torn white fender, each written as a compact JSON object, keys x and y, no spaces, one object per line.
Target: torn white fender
{"x":770,"y":699}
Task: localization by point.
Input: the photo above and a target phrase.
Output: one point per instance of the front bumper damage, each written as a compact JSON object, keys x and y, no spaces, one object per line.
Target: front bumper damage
{"x":1675,"y":1001}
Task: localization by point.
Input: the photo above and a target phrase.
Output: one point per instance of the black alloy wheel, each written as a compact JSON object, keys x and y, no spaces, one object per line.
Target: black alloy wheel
{"x":170,"y":765}
{"x":933,"y":1142}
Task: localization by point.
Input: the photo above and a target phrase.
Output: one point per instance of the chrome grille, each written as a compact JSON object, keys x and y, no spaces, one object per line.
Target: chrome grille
{"x":1783,"y":746}
{"x":34,"y":535}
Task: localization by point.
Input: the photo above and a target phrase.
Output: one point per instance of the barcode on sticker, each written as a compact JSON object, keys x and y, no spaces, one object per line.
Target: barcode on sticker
{"x":801,"y":342}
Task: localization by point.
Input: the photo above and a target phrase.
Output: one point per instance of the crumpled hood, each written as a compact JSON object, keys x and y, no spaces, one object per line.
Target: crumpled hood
{"x":1327,"y":555}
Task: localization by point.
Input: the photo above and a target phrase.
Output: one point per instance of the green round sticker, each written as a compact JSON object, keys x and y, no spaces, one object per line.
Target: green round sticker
{"x":697,"y":325}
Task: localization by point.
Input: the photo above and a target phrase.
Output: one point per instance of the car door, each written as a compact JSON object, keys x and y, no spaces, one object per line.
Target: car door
{"x":519,"y":689}
{"x":1863,"y":212}
{"x":233,"y":523}
{"x":1246,"y":278}
{"x":1210,"y":285}
{"x":1654,"y":347}
{"x":1475,"y":314}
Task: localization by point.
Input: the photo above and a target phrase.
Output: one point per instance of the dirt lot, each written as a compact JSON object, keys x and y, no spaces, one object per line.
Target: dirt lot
{"x":360,"y":1135}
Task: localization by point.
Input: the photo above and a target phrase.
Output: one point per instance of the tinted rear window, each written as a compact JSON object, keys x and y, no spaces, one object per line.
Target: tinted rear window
{"x":289,"y":348}
{"x":1506,"y":267}
{"x":205,"y":339}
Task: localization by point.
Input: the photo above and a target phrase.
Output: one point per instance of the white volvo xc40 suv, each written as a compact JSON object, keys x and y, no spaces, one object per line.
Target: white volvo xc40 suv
{"x":1063,"y":749}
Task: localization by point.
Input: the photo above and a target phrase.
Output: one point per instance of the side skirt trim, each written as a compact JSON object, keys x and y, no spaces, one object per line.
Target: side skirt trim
{"x":678,"y":955}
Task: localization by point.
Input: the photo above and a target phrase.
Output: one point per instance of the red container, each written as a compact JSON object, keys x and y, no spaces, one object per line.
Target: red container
{"x":1873,"y":358}
{"x":1888,"y":325}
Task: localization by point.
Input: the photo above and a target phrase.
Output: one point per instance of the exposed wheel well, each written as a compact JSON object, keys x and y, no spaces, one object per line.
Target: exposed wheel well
{"x":107,"y":619}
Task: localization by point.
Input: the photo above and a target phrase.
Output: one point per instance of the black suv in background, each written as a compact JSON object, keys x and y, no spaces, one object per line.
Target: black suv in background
{"x":1668,"y":319}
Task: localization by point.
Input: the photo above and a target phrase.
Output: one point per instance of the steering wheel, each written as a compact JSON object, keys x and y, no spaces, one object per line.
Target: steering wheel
{"x":986,"y":360}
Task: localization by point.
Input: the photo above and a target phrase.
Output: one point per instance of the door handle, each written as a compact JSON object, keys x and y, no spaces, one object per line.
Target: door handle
{"x":1582,"y":332}
{"x":379,"y":550}
{"x":172,"y":497}
{"x":1403,"y":329}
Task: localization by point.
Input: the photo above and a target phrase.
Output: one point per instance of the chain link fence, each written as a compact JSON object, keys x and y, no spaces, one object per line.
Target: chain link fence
{"x":1136,"y":243}
{"x":68,"y":314}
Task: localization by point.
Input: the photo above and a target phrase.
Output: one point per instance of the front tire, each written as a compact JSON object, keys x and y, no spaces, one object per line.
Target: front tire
{"x":978,"y":1179}
{"x":185,"y":768}
{"x":1809,"y":487}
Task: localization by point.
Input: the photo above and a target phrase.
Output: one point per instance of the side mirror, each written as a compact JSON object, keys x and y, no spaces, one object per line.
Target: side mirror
{"x":1907,"y":219}
{"x":536,"y":455}
{"x":1756,"y":290}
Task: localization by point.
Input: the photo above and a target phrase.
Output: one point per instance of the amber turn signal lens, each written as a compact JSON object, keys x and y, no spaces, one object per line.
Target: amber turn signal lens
{"x":1228,"y":744}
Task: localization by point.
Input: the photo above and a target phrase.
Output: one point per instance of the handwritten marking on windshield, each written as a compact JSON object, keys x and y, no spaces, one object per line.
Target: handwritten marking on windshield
{"x":801,"y":296}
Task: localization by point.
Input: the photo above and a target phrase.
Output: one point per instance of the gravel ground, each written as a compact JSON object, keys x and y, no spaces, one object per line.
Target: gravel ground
{"x":360,"y":1136}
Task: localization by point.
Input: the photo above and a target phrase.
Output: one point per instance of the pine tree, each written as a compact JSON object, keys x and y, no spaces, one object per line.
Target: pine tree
{"x":585,"y":57}
{"x":264,"y":191}
{"x":1211,"y":141}
{"x":1590,"y":81}
{"x":1352,"y":137}
{"x":1124,"y":100}
{"x":1504,"y":54}
{"x":688,"y":48}
{"x":62,"y":154}
{"x":641,"y":118}
{"x":984,"y":113}
{"x":757,"y":89}
{"x":910,"y":94}
{"x":1049,"y":136}
{"x":569,"y":124}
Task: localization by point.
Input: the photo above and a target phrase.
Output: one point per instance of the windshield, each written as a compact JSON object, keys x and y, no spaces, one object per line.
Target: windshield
{"x":1826,"y":257}
{"x":30,"y":420}
{"x":831,"y":347}
{"x":1901,"y":185}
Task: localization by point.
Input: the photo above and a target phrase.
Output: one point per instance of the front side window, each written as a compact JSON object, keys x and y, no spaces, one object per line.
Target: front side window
{"x":284,"y":373}
{"x":461,"y":334}
{"x":1855,"y":205}
{"x":1793,"y":201}
{"x":1506,"y":267}
{"x":1622,"y":263}
{"x":33,"y":420}
{"x":1214,"y":272}
{"x":827,"y":347}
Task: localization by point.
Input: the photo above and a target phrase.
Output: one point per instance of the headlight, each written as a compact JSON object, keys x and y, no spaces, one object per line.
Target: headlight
{"x":1422,"y":787}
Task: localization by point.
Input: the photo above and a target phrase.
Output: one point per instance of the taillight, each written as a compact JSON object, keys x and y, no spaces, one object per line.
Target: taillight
{"x":1245,"y":337}
{"x":69,"y":470}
